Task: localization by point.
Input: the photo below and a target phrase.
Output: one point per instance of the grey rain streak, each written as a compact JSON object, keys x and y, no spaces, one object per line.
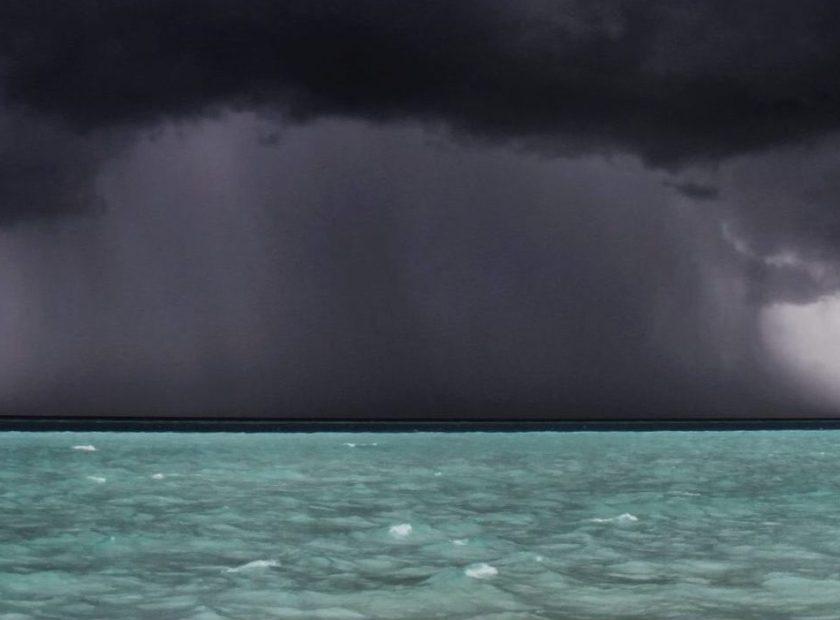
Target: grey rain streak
{"x":372,"y":209}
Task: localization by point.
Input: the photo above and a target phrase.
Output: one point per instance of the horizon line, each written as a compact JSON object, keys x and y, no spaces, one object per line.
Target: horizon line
{"x":300,"y":425}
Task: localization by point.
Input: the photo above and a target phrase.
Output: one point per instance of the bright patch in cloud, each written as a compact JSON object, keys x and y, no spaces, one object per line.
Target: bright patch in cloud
{"x":805,"y":339}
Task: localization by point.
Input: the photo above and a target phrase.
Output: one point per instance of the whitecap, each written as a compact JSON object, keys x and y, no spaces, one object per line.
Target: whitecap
{"x":400,"y":531}
{"x":99,"y":479}
{"x":438,"y":474}
{"x":158,"y":476}
{"x":85,"y":448}
{"x":350,"y":445}
{"x":622,"y":518}
{"x":253,"y":565}
{"x":481,"y":571}
{"x":460,"y":541}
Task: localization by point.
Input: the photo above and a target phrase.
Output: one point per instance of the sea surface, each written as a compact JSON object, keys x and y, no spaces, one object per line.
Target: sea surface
{"x":492,"y":526}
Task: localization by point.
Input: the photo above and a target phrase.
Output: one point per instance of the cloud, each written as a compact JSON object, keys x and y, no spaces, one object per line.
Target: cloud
{"x":675,"y":82}
{"x":671,"y":80}
{"x":697,"y":191}
{"x":47,"y":171}
{"x":578,"y":295}
{"x":778,"y":214}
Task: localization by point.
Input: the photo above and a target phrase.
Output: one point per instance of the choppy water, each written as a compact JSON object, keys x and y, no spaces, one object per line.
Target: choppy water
{"x":695,"y":525}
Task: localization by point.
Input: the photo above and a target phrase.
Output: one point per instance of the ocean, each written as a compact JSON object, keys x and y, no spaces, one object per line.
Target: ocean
{"x":493,"y":526}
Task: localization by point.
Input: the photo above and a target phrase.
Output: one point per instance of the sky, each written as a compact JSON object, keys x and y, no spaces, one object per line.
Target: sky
{"x":368,"y":209}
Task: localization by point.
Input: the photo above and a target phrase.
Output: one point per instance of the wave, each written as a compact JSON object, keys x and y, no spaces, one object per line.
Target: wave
{"x":622,"y":518}
{"x":400,"y":531}
{"x":254,"y":565}
{"x":481,"y":571}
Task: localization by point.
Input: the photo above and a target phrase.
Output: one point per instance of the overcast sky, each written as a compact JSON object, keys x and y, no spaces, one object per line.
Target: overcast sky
{"x":420,"y":208}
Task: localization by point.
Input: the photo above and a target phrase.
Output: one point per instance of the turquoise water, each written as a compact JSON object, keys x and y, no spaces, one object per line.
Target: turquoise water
{"x":694,"y":525}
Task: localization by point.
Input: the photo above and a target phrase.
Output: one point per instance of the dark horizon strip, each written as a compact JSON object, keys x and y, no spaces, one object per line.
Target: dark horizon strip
{"x":193,"y":425}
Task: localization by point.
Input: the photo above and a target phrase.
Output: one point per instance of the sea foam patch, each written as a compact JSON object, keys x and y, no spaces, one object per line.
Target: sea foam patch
{"x":481,"y":571}
{"x":401,"y":530}
{"x":255,"y":565}
{"x":98,"y":479}
{"x":85,"y":447}
{"x":622,"y":518}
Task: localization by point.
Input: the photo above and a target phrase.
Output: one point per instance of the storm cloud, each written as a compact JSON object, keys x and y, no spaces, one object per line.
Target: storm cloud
{"x":476,"y":208}
{"x":675,"y":82}
{"x":48,"y":171}
{"x":671,"y":80}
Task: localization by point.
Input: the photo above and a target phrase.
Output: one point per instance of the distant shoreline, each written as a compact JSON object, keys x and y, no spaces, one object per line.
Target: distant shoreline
{"x":250,"y":425}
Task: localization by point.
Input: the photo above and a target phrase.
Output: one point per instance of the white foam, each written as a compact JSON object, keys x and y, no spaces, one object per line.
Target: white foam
{"x":99,"y":479}
{"x":158,"y":476}
{"x":539,"y":558}
{"x":481,"y":571}
{"x":438,"y":474}
{"x":623,"y":518}
{"x":460,"y":541}
{"x":400,"y":531}
{"x":350,"y":445}
{"x":253,"y":565}
{"x":85,"y":448}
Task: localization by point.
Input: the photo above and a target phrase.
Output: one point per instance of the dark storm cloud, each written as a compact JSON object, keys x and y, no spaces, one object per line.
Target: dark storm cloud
{"x":671,"y":80}
{"x":697,"y":191}
{"x":359,"y":270}
{"x":47,"y":171}
{"x":778,"y":212}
